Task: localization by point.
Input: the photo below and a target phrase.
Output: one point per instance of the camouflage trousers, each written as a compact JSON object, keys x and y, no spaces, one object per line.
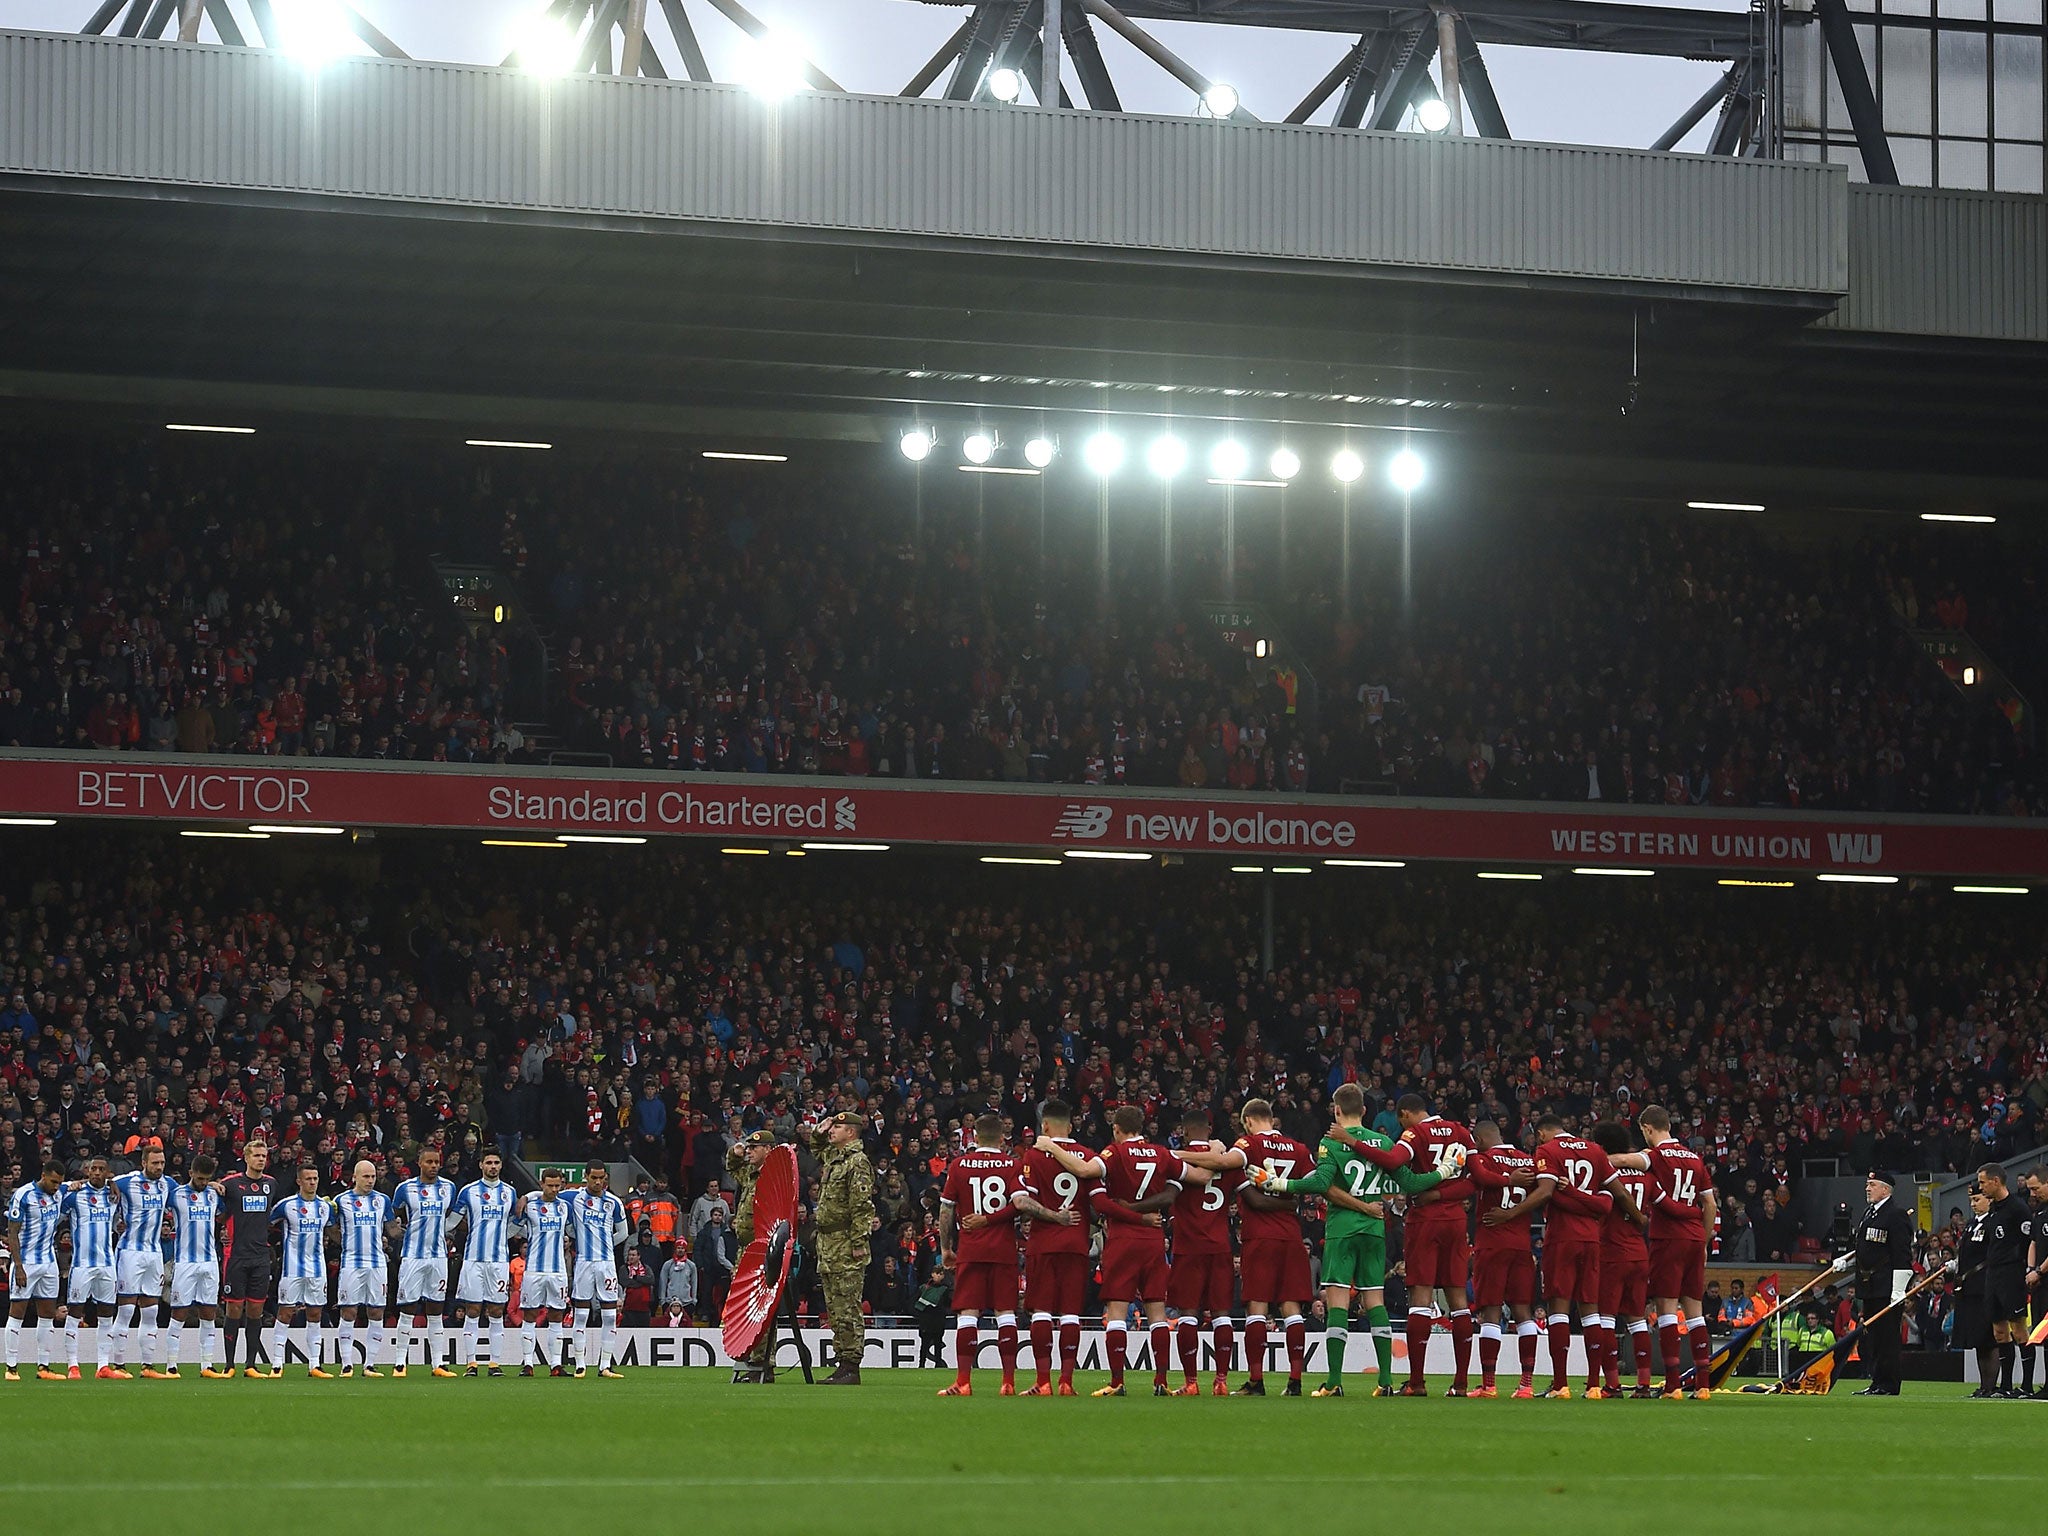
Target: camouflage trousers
{"x":842,"y":1271}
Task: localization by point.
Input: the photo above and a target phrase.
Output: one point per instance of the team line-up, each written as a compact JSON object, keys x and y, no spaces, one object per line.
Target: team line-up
{"x":1623,"y":1229}
{"x":220,"y":1236}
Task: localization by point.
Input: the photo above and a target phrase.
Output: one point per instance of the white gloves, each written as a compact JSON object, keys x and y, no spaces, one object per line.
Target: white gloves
{"x":1844,"y":1264}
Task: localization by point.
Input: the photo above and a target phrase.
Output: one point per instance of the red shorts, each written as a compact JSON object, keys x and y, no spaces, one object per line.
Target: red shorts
{"x":1056,"y":1283}
{"x":1438,"y":1255}
{"x":1275,"y":1270}
{"x":1571,"y":1271}
{"x":1200,"y":1282}
{"x":1678,"y":1267}
{"x":1504,"y":1277}
{"x":985,"y":1288}
{"x":1133,"y":1271}
{"x":1624,"y":1285}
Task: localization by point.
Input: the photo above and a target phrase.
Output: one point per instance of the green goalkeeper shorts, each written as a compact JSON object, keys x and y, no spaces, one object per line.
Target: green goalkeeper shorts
{"x":1358,"y":1260}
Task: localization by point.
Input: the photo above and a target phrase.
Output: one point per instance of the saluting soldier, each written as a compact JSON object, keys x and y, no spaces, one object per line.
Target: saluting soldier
{"x":744,"y":1161}
{"x":1884,"y":1269}
{"x":845,"y":1220}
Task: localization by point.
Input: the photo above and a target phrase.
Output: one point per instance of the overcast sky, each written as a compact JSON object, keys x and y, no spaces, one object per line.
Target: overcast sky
{"x":876,"y":45}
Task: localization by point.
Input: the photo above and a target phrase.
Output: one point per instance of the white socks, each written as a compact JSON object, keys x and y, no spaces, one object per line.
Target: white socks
{"x":13,"y":1342}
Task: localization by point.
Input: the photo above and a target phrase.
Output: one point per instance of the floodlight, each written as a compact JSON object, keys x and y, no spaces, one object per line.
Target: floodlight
{"x":313,"y":31}
{"x":1346,"y":465}
{"x":1433,"y":115}
{"x":1039,"y":452}
{"x":917,"y":444}
{"x":773,"y":68}
{"x":1006,"y":85}
{"x":1103,"y":454}
{"x":1407,"y":470}
{"x":1228,"y":460}
{"x":978,"y":447}
{"x":1166,"y":456}
{"x":1220,"y":100}
{"x":1285,"y":464}
{"x":546,"y":45}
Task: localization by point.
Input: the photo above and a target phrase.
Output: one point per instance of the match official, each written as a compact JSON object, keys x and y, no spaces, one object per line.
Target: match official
{"x":1884,"y":1269}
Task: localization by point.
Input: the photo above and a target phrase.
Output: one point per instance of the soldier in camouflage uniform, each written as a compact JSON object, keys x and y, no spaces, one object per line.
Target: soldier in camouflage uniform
{"x":845,"y":1219}
{"x":744,"y":1160}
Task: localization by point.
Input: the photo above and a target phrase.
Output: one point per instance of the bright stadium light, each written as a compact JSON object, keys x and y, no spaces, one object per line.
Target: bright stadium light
{"x":917,"y":444}
{"x":1285,"y":463}
{"x":1346,"y":465}
{"x":1166,"y":456}
{"x":1229,"y":460}
{"x":1220,"y":100}
{"x":1407,"y":471}
{"x":1038,"y":453}
{"x":1005,"y":85}
{"x":773,"y":68}
{"x":978,"y":447}
{"x":1103,"y":454}
{"x":1433,"y":115}
{"x":314,"y":32}
{"x":545,"y":45}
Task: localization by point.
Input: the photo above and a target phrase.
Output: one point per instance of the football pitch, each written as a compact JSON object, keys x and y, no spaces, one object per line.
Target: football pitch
{"x":674,"y":1450}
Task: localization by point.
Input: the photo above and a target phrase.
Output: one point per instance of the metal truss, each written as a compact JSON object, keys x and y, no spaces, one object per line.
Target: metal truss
{"x":1376,"y":83}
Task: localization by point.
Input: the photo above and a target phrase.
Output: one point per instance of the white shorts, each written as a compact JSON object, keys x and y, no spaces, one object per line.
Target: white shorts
{"x":363,"y":1288}
{"x":599,"y":1283}
{"x":543,"y":1289}
{"x":422,"y":1280}
{"x":485,"y":1282}
{"x":310,"y":1292}
{"x":139,"y":1274}
{"x":39,"y":1283}
{"x":95,"y":1283}
{"x":195,"y":1285}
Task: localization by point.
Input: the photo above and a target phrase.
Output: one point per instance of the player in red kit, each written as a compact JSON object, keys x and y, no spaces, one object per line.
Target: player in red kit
{"x":1572,"y":1179}
{"x":1683,"y":1215}
{"x":1436,"y":1250}
{"x":1201,"y":1279}
{"x":1140,"y":1179}
{"x":1503,"y":1263}
{"x":1273,"y":1258}
{"x":1056,"y":1259}
{"x":978,"y":1208}
{"x":1624,"y":1270}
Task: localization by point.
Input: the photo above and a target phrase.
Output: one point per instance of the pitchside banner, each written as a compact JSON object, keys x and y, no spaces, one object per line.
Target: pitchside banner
{"x":897,"y":1349}
{"x":756,"y":809}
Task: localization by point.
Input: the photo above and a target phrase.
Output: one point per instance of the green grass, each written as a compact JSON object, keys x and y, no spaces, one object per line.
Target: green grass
{"x":682,"y":1451}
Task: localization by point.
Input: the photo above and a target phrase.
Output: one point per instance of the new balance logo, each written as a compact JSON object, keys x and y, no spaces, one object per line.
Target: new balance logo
{"x":1082,"y":821}
{"x":1856,"y":847}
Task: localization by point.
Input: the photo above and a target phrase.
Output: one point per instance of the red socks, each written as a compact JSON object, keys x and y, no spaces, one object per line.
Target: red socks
{"x":1702,"y":1352}
{"x":1116,"y":1344}
{"x":1419,"y":1324}
{"x":1070,"y":1350}
{"x":1668,"y":1342}
{"x":1489,"y":1355}
{"x":1188,"y":1341}
{"x":963,"y":1351}
{"x":1560,"y":1353}
{"x":1006,"y":1351}
{"x":1295,"y":1331}
{"x":1461,"y":1341}
{"x":1255,"y":1348}
{"x":1041,"y":1349}
{"x":1226,"y":1344}
{"x":1526,"y":1343}
{"x":1162,"y":1345}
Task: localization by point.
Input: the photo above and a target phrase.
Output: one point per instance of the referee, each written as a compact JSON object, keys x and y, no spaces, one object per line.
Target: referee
{"x":1884,"y":1268}
{"x":2003,"y":1229}
{"x":2036,"y":1181}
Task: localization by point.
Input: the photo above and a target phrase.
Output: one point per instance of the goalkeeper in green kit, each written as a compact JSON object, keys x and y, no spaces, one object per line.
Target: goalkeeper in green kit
{"x":1354,"y":1237}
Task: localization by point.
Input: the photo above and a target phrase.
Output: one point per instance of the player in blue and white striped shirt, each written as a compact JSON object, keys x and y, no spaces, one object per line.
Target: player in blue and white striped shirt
{"x":302,"y":1284}
{"x":140,"y":1197}
{"x":487,"y":1208}
{"x":33,"y":1215}
{"x":600,"y":1229}
{"x":195,"y":1267}
{"x":545,"y":1289}
{"x":423,"y":1205}
{"x":364,"y":1214}
{"x":89,"y":1207}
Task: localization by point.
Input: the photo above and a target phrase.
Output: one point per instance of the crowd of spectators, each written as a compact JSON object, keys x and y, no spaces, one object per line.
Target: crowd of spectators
{"x":854,"y":621}
{"x":358,"y":1001}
